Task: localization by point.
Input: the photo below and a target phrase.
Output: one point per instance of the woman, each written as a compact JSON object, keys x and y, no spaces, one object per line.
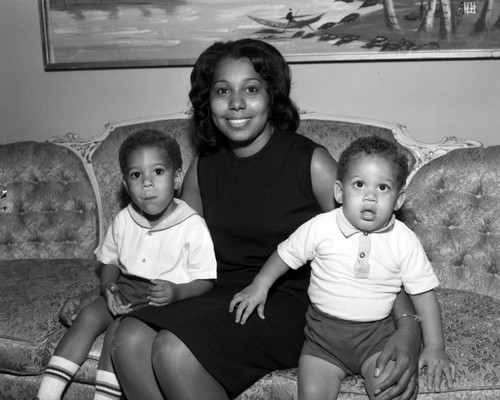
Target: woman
{"x":255,"y":181}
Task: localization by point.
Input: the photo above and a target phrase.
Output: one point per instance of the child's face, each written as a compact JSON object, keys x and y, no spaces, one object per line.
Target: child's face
{"x":239,"y":103}
{"x":369,"y":192}
{"x":151,"y":181}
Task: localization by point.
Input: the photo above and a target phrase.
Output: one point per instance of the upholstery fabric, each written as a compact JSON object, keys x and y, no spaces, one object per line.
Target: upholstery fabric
{"x":336,"y":135}
{"x":50,"y":206}
{"x":29,"y":325}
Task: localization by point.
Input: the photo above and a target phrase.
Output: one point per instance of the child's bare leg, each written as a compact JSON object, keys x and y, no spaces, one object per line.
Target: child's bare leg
{"x":318,"y":379}
{"x":367,"y":371}
{"x":107,"y":386}
{"x":90,"y":323}
{"x":73,"y":349}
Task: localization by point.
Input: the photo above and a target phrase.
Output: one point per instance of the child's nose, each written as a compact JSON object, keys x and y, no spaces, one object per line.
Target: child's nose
{"x":370,"y":195}
{"x":147,"y":182}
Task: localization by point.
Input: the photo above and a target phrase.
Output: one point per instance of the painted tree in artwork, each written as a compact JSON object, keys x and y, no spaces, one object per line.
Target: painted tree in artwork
{"x":496,"y":25}
{"x":481,"y":25}
{"x":447,"y":24}
{"x":391,"y":19}
{"x":428,"y":21}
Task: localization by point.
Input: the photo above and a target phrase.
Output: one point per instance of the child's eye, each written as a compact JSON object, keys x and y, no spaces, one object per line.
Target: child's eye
{"x":383,"y":187}
{"x":135,"y":175}
{"x":159,"y":171}
{"x":358,"y":184}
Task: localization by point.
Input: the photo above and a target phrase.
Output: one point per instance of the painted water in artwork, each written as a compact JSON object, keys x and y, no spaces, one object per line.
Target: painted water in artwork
{"x":176,"y":31}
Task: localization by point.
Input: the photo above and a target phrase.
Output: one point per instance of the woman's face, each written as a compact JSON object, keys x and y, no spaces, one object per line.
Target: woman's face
{"x":239,"y":103}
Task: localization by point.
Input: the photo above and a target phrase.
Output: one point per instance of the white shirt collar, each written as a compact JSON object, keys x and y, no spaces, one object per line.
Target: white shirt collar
{"x":180,"y":214}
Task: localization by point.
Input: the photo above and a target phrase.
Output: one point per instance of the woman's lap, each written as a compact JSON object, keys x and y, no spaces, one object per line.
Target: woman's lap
{"x":236,"y":355}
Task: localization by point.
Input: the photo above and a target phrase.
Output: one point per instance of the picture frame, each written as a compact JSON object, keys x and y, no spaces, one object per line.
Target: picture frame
{"x":90,"y":34}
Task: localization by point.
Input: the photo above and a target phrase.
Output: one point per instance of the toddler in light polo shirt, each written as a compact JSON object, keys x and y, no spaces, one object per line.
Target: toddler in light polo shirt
{"x":360,"y":257}
{"x":156,"y":244}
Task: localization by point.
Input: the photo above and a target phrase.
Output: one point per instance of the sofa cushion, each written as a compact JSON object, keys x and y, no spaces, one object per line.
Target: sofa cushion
{"x":472,"y":331}
{"x":50,"y":208}
{"x":29,"y":325}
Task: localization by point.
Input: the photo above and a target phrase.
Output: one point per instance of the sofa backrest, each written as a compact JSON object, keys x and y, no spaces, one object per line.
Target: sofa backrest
{"x":49,"y":210}
{"x":453,"y":205}
{"x":431,"y":166}
{"x":334,"y":132}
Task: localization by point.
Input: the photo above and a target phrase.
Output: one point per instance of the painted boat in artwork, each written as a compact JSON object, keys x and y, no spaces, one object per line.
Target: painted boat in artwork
{"x":295,"y":24}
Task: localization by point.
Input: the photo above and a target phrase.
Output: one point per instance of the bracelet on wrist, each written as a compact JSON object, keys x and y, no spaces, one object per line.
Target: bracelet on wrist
{"x":415,"y":317}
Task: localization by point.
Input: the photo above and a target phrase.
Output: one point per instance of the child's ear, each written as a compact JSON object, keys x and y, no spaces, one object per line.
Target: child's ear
{"x":125,"y":184}
{"x":178,"y":176}
{"x":338,"y":192}
{"x":400,"y":200}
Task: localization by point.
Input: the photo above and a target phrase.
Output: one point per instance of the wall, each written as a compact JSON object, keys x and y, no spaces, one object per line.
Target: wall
{"x":432,"y":98}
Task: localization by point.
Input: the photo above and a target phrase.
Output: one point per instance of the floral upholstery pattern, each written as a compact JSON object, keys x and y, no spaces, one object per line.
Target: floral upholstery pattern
{"x":29,"y":320}
{"x":51,"y":227}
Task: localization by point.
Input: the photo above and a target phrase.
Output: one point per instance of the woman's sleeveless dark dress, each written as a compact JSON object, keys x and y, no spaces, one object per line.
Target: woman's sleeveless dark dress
{"x":250,"y":206}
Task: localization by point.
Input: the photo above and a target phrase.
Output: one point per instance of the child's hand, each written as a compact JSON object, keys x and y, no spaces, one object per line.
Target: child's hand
{"x":117,"y":305}
{"x":162,"y":293}
{"x":438,"y":364}
{"x":246,"y":301}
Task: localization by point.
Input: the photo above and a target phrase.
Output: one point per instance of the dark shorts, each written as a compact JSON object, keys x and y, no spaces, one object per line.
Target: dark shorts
{"x":134,"y":289}
{"x":346,"y":344}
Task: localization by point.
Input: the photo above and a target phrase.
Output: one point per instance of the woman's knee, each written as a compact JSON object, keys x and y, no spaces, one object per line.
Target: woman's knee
{"x":130,"y":333}
{"x":169,"y":350}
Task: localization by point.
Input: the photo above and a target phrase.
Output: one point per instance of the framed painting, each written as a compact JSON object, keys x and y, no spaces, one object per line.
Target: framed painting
{"x":83,"y":34}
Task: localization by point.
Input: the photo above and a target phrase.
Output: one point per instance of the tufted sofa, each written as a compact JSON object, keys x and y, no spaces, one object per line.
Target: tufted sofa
{"x":62,"y":194}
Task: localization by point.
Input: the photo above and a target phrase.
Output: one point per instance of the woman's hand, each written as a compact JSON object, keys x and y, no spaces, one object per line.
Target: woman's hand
{"x":245,"y":302}
{"x":74,"y":305}
{"x":403,"y":347}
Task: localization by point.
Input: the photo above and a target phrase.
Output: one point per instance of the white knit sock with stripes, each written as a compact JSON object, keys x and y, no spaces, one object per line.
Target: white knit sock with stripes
{"x":56,"y":377}
{"x":107,"y":386}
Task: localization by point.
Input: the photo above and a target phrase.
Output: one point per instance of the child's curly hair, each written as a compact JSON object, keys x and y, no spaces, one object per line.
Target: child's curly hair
{"x":267,"y":62}
{"x":147,"y":138}
{"x":378,"y":147}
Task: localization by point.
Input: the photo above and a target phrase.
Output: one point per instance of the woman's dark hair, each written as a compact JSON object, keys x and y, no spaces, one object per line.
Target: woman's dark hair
{"x":147,"y":138}
{"x":374,"y":146}
{"x":267,"y":62}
